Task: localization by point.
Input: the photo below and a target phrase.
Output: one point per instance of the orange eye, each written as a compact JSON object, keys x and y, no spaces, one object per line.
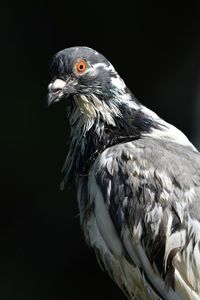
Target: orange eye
{"x":81,"y":66}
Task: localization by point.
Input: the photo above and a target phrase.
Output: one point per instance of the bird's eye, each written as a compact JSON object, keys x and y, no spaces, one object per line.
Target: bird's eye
{"x":81,"y":66}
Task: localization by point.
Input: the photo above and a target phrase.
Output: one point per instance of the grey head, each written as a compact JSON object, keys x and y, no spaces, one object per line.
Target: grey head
{"x":80,"y":70}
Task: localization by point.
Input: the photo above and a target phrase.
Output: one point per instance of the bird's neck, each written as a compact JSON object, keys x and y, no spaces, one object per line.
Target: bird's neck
{"x":97,"y":125}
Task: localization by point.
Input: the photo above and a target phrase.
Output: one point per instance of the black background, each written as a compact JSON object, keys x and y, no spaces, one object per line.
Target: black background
{"x":156,"y":49}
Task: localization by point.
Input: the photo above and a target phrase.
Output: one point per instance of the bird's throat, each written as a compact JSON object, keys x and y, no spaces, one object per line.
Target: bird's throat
{"x":96,"y":126}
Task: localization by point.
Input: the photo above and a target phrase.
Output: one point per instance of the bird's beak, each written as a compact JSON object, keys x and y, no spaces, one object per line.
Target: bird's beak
{"x":59,"y":89}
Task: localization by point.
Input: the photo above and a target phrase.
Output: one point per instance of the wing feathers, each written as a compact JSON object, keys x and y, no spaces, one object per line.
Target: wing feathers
{"x":144,"y":208}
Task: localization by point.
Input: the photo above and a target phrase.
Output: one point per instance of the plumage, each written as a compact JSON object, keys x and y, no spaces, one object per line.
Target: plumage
{"x":138,"y":181}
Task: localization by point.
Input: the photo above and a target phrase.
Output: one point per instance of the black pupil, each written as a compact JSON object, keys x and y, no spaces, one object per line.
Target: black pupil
{"x":81,"y":66}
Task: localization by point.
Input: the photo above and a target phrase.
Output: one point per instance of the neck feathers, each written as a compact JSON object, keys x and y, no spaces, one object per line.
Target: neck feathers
{"x":97,"y":124}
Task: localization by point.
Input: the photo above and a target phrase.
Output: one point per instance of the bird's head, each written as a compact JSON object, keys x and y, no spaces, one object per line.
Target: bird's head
{"x":79,"y":71}
{"x":86,"y":75}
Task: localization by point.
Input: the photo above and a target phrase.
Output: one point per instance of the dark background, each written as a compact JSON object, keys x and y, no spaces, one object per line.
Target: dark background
{"x":156,"y":49}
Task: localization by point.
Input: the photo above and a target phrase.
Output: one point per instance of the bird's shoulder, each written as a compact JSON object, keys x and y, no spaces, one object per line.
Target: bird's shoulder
{"x":154,"y":151}
{"x":145,"y":159}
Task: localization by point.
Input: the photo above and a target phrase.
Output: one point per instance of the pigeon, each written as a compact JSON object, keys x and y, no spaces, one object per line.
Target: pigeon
{"x":137,"y":180}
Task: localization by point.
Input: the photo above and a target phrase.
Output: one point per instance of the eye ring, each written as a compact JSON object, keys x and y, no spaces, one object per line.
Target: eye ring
{"x":81,"y":66}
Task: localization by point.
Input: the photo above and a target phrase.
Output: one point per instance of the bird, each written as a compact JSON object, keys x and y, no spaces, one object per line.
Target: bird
{"x":137,"y":179}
